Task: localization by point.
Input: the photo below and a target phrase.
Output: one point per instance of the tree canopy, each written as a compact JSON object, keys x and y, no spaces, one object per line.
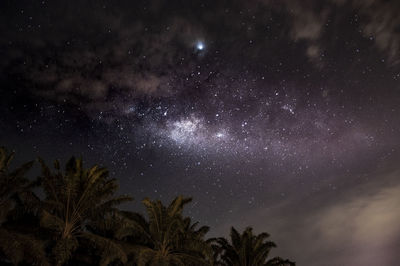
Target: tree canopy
{"x":76,"y":221}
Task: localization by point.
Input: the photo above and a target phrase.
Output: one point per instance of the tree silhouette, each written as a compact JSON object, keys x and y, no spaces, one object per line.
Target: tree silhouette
{"x":73,"y":200}
{"x":16,"y":246}
{"x":167,"y":238}
{"x":76,"y":222}
{"x":247,"y":249}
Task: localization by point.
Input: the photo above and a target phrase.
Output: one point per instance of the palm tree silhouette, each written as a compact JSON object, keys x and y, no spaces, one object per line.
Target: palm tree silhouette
{"x":167,"y":238}
{"x":16,"y":245}
{"x":247,"y":249}
{"x":73,"y":200}
{"x":75,"y":221}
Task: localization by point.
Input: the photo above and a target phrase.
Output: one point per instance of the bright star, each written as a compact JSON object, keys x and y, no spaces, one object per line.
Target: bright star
{"x":200,"y":46}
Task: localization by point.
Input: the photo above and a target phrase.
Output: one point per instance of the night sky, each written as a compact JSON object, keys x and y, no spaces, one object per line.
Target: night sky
{"x":282,"y":115}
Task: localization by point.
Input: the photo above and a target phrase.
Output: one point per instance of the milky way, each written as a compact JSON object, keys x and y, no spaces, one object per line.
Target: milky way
{"x":283,"y":115}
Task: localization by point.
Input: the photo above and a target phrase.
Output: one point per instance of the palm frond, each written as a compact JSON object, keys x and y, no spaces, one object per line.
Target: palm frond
{"x":109,"y":249}
{"x":19,"y":247}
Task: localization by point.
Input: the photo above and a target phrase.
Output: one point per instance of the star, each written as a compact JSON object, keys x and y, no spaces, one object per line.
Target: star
{"x":200,"y":46}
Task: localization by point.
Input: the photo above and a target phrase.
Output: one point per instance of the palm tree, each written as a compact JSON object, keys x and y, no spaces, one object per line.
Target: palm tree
{"x":73,"y":200}
{"x":193,"y":238}
{"x":247,"y":249}
{"x":122,"y":231}
{"x":167,"y":238}
{"x":78,"y":223}
{"x":16,"y":246}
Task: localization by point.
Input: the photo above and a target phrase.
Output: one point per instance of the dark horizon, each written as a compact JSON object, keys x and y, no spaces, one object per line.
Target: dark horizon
{"x":280,"y":115}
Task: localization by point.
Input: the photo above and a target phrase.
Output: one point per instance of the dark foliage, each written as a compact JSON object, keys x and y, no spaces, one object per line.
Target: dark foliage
{"x":77,"y":222}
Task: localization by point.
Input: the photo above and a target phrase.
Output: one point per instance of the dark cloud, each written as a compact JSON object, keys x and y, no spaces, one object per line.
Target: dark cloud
{"x":382,"y":24}
{"x":377,"y":20}
{"x":116,"y":56}
{"x":91,"y":57}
